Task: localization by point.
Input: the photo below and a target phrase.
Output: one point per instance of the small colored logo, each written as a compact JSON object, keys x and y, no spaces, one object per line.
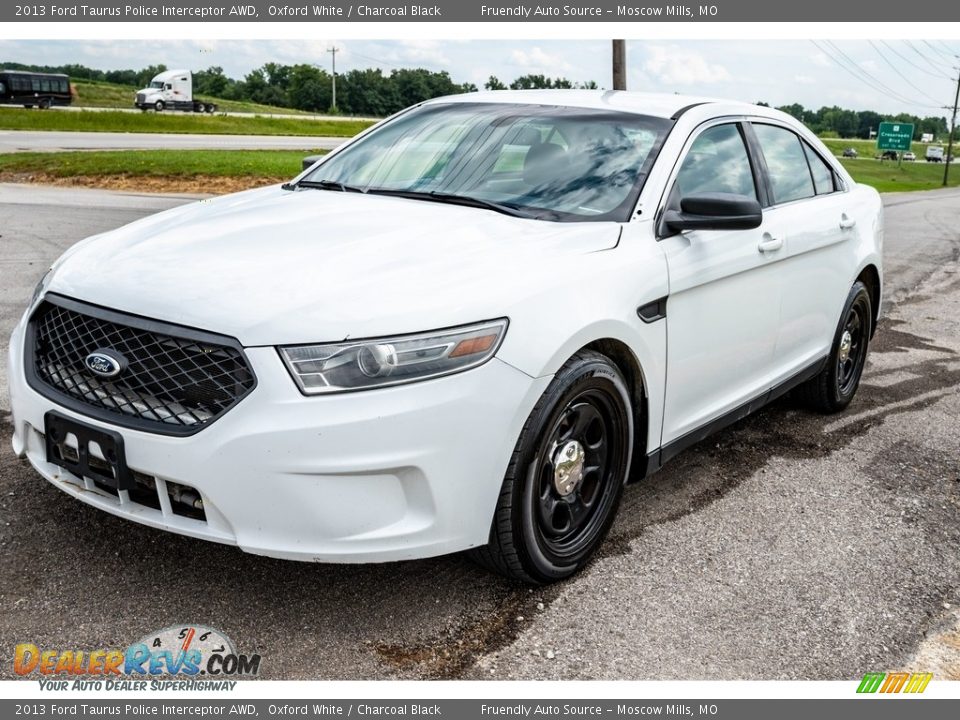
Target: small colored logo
{"x":898,"y":682}
{"x":186,"y":651}
{"x":105,"y":363}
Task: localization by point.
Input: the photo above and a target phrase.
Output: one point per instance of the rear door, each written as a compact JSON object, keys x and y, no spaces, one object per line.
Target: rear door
{"x":725,"y":290}
{"x":820,"y":237}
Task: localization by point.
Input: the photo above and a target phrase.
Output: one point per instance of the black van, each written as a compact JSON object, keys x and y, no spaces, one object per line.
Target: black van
{"x":18,"y":87}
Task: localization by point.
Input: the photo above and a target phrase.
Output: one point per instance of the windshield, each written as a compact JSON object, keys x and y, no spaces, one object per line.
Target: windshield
{"x":157,"y":84}
{"x":556,"y":163}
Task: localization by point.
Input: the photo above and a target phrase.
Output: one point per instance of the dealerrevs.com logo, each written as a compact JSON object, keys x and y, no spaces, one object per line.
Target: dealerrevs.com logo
{"x":179,"y":657}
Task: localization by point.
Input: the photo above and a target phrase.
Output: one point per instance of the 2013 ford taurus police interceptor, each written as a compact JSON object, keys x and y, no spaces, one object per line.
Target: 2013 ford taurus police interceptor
{"x":465,"y":329}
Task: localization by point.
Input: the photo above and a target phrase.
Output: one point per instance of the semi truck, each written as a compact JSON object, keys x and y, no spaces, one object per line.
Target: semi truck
{"x":172,"y":90}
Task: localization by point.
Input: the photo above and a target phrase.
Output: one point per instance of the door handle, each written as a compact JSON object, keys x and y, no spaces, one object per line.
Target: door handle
{"x":846,"y":222}
{"x":768,"y":243}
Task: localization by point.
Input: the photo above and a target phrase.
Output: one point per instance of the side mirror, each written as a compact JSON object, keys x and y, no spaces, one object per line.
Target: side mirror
{"x":714,"y":211}
{"x":310,"y":160}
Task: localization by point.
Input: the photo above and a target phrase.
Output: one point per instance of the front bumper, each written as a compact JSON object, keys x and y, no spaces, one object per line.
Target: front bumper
{"x":405,"y":472}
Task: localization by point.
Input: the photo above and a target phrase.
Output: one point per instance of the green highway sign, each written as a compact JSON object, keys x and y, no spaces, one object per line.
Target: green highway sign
{"x":894,"y":136}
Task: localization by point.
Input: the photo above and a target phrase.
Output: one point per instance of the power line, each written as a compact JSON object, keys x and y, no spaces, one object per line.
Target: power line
{"x":897,"y":71}
{"x":953,"y":53}
{"x":913,"y":64}
{"x":948,"y":56}
{"x":863,"y":76}
{"x":376,"y":60}
{"x":930,"y":62}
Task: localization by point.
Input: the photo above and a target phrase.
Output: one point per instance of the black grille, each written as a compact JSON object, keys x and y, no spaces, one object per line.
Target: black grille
{"x":174,"y":380}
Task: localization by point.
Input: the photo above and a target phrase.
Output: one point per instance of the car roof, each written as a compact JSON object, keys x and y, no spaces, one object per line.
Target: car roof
{"x":663,"y":105}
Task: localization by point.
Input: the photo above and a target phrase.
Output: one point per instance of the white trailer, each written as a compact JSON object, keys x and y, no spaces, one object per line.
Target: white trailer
{"x":172,"y":90}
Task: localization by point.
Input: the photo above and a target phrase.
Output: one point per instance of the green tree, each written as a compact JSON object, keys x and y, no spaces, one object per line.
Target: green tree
{"x":211,"y":81}
{"x":309,"y":88}
{"x":148,"y":73}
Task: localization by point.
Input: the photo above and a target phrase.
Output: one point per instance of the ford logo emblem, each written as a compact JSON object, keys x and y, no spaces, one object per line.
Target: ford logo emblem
{"x":104,"y":363}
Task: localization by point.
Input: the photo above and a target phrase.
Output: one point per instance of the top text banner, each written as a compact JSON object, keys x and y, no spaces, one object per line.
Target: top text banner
{"x":480,"y":11}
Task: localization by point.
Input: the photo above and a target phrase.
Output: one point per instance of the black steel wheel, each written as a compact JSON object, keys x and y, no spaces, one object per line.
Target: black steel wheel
{"x":563,"y":486}
{"x":833,"y":389}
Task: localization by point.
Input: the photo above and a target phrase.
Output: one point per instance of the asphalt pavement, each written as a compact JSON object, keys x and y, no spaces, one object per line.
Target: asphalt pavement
{"x":790,"y":546}
{"x":12,"y":141}
{"x":228,"y":113}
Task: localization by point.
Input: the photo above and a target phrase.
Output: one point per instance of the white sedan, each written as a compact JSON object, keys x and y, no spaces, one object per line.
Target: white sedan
{"x":466,"y":329}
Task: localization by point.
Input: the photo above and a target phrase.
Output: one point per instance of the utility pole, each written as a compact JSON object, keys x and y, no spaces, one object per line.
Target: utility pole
{"x":953,"y":129}
{"x":619,"y":65}
{"x":333,"y":59}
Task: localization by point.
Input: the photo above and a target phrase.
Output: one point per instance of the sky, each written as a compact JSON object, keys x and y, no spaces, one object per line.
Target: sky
{"x":889,"y":76}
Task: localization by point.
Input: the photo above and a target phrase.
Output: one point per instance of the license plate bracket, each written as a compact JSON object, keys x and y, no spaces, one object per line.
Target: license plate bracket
{"x":111,"y":469}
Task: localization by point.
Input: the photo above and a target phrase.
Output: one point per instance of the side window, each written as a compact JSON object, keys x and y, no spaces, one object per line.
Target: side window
{"x":786,"y":162}
{"x":823,"y":179}
{"x":717,"y":162}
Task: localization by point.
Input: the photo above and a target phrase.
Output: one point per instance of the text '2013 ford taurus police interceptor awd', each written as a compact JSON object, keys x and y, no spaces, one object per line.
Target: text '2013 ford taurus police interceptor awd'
{"x":465,"y":329}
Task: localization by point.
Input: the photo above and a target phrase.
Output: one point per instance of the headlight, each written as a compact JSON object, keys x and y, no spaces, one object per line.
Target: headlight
{"x":364,"y":364}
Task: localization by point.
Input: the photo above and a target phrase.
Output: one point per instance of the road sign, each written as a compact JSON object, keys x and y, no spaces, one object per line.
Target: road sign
{"x":894,"y":136}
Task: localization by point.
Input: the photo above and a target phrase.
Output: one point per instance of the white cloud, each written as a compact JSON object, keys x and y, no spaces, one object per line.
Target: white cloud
{"x":536,"y":61}
{"x":423,"y":51}
{"x":803,"y":80}
{"x":821,"y":60}
{"x":672,"y":65}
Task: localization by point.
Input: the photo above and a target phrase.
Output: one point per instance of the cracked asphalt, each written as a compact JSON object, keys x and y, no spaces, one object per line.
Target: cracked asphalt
{"x":789,"y":546}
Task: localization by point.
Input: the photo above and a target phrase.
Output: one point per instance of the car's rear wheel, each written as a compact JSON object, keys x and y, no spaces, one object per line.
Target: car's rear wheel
{"x":833,"y":389}
{"x":566,"y":476}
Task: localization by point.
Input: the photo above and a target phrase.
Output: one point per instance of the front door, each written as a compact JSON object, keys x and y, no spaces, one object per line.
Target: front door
{"x":724,"y":304}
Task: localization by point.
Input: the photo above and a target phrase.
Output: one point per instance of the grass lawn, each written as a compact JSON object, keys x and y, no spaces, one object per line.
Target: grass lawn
{"x":91,"y":93}
{"x":107,"y":121}
{"x":191,"y":168}
{"x":187,"y":171}
{"x":887,"y":177}
{"x":157,"y":163}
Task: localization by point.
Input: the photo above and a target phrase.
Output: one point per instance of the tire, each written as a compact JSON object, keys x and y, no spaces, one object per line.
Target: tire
{"x":833,"y":389}
{"x":159,"y":106}
{"x":45,"y":104}
{"x":549,"y":521}
{"x":211,"y":108}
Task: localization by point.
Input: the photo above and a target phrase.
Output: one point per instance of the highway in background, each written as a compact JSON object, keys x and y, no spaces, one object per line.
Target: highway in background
{"x":12,"y":141}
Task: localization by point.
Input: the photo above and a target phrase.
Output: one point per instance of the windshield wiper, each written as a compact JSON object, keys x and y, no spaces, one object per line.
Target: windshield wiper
{"x":323,"y":185}
{"x":452,"y":199}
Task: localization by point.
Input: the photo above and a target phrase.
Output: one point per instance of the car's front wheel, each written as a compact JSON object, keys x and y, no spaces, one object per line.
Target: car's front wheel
{"x":566,"y":476}
{"x":833,"y":389}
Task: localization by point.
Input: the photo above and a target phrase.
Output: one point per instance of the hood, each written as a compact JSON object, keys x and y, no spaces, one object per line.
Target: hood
{"x":273,"y":267}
